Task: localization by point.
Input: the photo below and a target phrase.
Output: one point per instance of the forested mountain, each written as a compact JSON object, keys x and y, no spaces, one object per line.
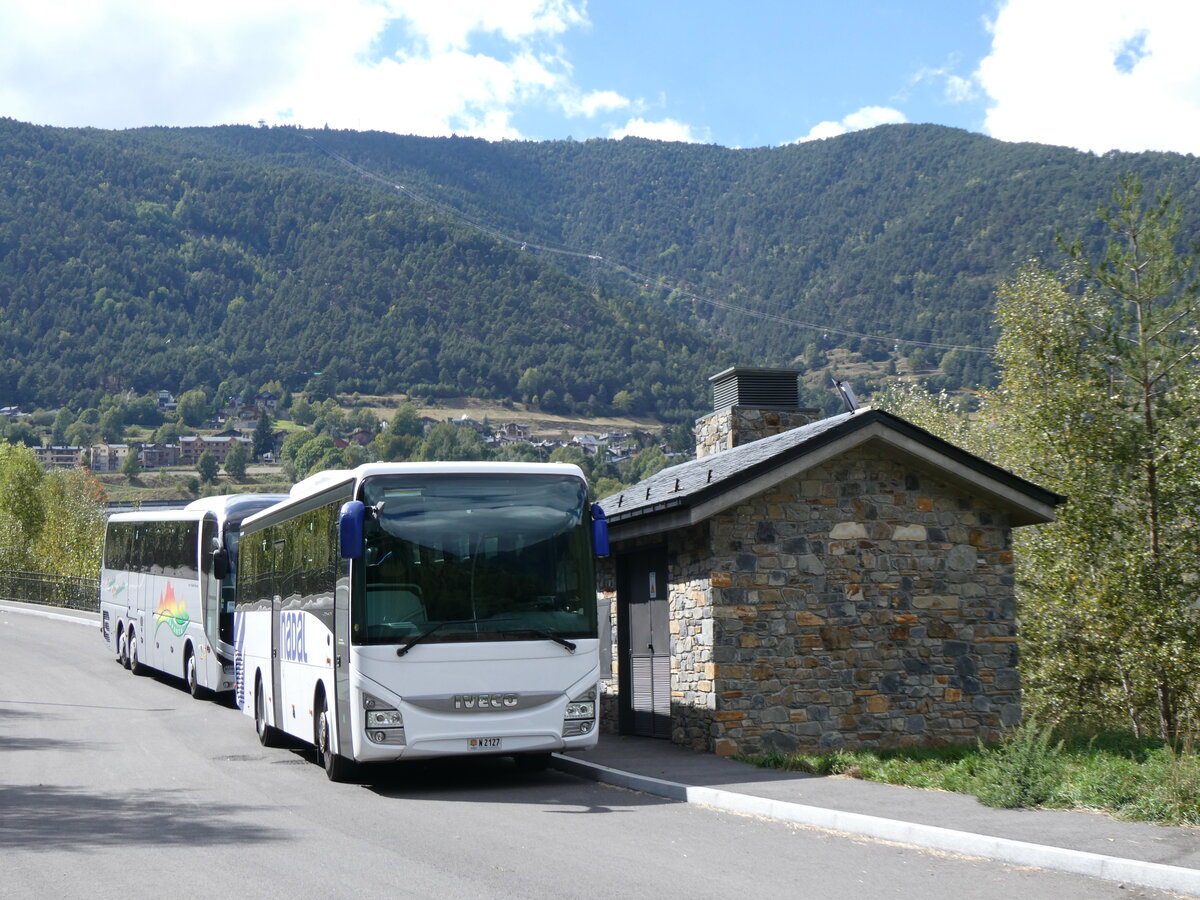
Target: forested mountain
{"x":345,"y":261}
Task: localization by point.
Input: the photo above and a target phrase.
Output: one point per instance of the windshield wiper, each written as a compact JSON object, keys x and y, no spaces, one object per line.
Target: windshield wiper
{"x":537,"y":632}
{"x":545,"y":635}
{"x":417,"y":638}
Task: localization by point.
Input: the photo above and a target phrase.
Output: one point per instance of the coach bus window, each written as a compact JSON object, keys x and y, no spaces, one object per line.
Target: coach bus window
{"x":470,"y":557}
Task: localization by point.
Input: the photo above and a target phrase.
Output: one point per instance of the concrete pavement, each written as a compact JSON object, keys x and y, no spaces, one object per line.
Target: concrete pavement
{"x":1162,"y":857}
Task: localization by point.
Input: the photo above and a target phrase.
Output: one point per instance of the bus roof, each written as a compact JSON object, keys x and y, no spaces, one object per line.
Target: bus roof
{"x":331,"y":478}
{"x":223,"y":507}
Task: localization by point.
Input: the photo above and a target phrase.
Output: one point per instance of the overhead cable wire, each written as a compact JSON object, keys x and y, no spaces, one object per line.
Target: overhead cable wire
{"x":659,"y":282}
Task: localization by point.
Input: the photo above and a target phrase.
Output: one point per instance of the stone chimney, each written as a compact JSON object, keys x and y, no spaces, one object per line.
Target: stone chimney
{"x":749,"y":404}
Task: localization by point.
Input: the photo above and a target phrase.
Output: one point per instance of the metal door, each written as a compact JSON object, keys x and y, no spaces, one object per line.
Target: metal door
{"x":645,"y":634}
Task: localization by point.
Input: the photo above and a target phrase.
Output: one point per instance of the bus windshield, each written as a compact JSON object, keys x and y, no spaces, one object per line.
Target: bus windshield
{"x":469,"y":557}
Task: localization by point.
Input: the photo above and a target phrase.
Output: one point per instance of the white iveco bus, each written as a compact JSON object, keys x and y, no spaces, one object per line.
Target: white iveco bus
{"x":412,"y":610}
{"x":166,"y":588}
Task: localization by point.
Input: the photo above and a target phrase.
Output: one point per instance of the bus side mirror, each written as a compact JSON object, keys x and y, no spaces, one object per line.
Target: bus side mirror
{"x":350,"y":529}
{"x":599,"y":531}
{"x":220,"y":563}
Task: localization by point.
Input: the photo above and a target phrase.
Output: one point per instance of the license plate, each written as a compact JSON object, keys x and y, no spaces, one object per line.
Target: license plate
{"x":483,"y":744}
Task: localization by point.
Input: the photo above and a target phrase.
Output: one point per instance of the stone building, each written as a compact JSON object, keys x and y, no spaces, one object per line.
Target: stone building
{"x":809,"y":584}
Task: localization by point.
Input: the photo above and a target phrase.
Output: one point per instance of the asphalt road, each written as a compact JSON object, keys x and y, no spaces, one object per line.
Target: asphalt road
{"x":113,"y":785}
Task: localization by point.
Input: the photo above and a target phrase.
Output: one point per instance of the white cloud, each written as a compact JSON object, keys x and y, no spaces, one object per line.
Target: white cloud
{"x":662,"y":130}
{"x":448,"y":25}
{"x":867,"y":117}
{"x":1112,"y":75}
{"x":595,"y":103}
{"x":955,"y":88}
{"x":127,"y":63}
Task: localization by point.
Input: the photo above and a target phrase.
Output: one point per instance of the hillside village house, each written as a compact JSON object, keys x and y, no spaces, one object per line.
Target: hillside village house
{"x":191,"y":447}
{"x":810,"y":584}
{"x":109,"y":457}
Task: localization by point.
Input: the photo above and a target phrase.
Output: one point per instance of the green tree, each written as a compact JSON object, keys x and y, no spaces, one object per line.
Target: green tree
{"x":236,"y":461}
{"x":1099,"y":400}
{"x":192,"y":408}
{"x":446,"y":441}
{"x":131,"y":468}
{"x":1130,"y":394}
{"x":264,"y":440}
{"x":303,"y":412}
{"x":63,"y":420}
{"x":22,"y":513}
{"x":71,"y":538}
{"x":168,"y":433}
{"x":207,"y":467}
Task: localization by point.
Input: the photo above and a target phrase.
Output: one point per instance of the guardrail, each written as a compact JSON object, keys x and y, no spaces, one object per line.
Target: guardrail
{"x":50,"y":590}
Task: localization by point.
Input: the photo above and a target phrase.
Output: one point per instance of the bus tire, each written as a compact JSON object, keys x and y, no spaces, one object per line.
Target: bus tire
{"x":123,"y":647}
{"x":267,"y":736}
{"x":337,"y":768}
{"x":134,"y":666}
{"x":191,"y":674}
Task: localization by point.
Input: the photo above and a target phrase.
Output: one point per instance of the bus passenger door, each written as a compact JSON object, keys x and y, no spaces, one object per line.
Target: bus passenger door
{"x":276,"y":668}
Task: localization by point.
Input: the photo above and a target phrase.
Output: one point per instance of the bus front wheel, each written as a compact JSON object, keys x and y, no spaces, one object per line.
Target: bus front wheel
{"x":337,"y":768}
{"x":192,"y":676}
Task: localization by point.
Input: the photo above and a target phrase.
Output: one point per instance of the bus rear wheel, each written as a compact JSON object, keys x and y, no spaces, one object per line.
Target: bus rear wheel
{"x":123,"y":648}
{"x":337,"y":768}
{"x":134,"y":666}
{"x":267,"y":736}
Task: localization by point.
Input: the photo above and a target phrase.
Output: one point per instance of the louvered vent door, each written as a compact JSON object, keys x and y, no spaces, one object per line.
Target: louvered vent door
{"x":649,"y":648}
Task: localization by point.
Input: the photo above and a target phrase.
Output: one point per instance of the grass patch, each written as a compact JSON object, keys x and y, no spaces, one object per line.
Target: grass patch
{"x":1135,"y":779}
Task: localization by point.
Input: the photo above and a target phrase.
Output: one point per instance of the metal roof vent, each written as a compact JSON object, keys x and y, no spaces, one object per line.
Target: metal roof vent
{"x":758,"y":388}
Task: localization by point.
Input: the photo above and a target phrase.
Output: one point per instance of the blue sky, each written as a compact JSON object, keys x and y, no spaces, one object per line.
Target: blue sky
{"x":1092,"y":74}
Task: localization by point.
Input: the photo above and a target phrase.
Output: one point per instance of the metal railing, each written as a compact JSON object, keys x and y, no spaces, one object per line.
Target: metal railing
{"x":50,"y":590}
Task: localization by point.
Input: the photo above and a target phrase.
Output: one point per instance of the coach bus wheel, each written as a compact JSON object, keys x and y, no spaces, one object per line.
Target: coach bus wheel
{"x":266,"y":734}
{"x":191,"y":675}
{"x":134,"y":666}
{"x":337,"y":768}
{"x":123,"y":648}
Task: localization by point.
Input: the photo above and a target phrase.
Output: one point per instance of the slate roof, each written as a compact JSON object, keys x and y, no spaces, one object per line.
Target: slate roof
{"x":678,"y":492}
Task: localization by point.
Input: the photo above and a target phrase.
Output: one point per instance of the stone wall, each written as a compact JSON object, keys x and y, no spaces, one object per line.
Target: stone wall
{"x":864,"y":604}
{"x":734,"y":426}
{"x":606,"y":613}
{"x":693,"y":689}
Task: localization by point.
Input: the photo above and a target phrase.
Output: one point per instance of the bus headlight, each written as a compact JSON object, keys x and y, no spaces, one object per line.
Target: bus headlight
{"x":580,"y":709}
{"x":580,"y":714}
{"x":385,"y":724}
{"x":384,"y":718}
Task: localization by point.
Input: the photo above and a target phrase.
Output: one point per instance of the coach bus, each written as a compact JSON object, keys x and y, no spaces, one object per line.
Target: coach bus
{"x":166,"y":588}
{"x":413,"y":610}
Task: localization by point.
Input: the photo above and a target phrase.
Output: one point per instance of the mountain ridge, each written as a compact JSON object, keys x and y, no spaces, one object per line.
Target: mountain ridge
{"x":586,"y":277}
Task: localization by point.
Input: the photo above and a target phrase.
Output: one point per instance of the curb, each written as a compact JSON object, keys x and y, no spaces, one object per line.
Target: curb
{"x":75,"y":616}
{"x":930,"y":837}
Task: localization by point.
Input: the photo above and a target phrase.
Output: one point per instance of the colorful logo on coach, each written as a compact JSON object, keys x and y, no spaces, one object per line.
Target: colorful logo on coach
{"x":171,"y":611}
